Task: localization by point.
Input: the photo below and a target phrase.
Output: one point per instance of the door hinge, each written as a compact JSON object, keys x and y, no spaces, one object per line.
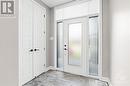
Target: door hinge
{"x":44,"y":65}
{"x":44,"y":49}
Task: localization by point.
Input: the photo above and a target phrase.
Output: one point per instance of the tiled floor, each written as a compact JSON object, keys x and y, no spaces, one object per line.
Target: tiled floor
{"x":57,"y":78}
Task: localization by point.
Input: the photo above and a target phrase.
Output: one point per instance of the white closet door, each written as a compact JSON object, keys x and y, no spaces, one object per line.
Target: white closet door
{"x":39,"y":39}
{"x":25,"y":41}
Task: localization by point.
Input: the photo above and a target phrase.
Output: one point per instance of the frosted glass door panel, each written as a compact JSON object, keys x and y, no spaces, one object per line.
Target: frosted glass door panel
{"x":93,"y":46}
{"x":75,"y":39}
{"x":60,"y":46}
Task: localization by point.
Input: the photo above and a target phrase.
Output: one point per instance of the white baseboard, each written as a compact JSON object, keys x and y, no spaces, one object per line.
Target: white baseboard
{"x":105,"y":79}
{"x":53,"y":68}
{"x":49,"y":68}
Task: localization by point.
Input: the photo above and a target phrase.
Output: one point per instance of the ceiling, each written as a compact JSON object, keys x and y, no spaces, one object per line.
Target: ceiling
{"x":52,"y":3}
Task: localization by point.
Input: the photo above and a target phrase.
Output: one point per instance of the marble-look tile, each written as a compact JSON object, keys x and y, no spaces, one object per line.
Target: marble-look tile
{"x":57,"y":78}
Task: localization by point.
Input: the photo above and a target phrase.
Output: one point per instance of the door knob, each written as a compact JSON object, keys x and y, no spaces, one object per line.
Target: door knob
{"x":31,"y":50}
{"x":65,"y":48}
{"x":36,"y":49}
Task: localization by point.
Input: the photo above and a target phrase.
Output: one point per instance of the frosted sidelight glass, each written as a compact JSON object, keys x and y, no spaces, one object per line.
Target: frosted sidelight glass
{"x":60,"y":46}
{"x":93,"y":46}
{"x":75,"y":43}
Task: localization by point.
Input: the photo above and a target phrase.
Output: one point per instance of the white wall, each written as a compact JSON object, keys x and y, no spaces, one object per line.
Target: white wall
{"x":9,"y":50}
{"x":120,"y":42}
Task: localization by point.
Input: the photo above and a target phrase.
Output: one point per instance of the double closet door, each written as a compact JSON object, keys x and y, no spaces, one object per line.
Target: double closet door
{"x":78,"y":45}
{"x":32,"y":40}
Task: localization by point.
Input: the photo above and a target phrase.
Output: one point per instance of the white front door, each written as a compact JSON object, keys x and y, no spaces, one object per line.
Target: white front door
{"x":39,"y":39}
{"x":75,"y":46}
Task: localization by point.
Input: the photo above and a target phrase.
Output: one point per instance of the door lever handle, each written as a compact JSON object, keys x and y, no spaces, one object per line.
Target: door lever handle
{"x":36,"y":49}
{"x":31,"y":50}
